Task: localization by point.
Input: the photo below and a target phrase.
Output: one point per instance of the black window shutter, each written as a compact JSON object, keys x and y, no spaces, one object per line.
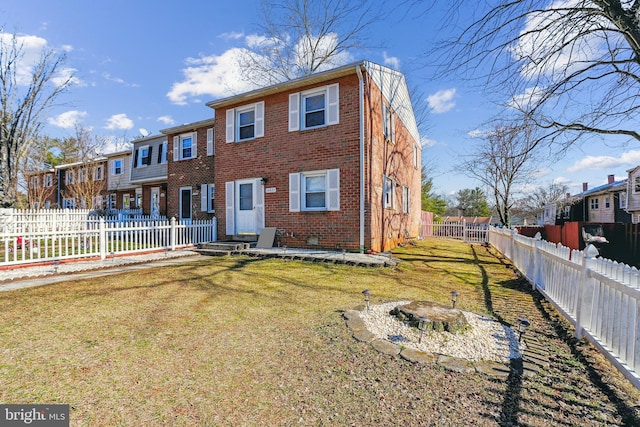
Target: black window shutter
{"x":159,"y":154}
{"x":149,"y":158}
{"x":135,"y":160}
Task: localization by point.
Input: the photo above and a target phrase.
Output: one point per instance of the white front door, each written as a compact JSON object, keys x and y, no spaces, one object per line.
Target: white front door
{"x":155,"y":202}
{"x":245,"y":207}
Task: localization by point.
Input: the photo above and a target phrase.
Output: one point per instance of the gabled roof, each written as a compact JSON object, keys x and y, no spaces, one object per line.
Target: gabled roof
{"x":391,"y":83}
{"x":604,"y":189}
{"x":187,"y":127}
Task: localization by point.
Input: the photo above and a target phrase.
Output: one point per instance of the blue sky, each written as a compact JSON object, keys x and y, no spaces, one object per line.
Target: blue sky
{"x":149,"y":65}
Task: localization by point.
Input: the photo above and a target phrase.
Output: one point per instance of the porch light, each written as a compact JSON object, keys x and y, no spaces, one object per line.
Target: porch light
{"x":422,"y":325}
{"x":523,"y":326}
{"x":367,"y":298}
{"x":56,"y":265}
{"x":263,"y":180}
{"x":454,"y":298}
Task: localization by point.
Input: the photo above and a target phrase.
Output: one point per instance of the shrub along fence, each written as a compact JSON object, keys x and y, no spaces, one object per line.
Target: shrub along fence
{"x":599,"y":297}
{"x":97,"y":237}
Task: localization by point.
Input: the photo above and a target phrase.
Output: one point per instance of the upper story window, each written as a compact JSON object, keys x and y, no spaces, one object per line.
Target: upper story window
{"x":245,"y":123}
{"x":314,"y":108}
{"x":595,"y":203}
{"x":607,"y":202}
{"x":388,"y":123}
{"x":314,"y":191}
{"x":162,"y":154}
{"x":116,"y":167}
{"x":636,"y":184}
{"x":623,"y":200}
{"x":34,"y":182}
{"x":98,"y":173}
{"x":69,"y":177}
{"x":48,"y":180}
{"x":416,"y":156}
{"x":185,"y":146}
{"x":143,"y":156}
{"x":82,"y":175}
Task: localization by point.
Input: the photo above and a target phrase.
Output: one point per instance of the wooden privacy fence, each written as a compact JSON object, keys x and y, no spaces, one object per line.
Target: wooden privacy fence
{"x":101,"y":238}
{"x":600,"y":297}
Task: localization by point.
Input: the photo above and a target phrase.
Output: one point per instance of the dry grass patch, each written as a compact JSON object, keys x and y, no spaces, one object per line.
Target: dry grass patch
{"x":261,"y":342}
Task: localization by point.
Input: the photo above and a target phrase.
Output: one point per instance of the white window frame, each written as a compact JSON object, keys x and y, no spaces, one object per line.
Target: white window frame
{"x":163,"y":152}
{"x":211,"y":147}
{"x":82,"y":175}
{"x":636,"y":186}
{"x":297,"y":111}
{"x":388,"y":124}
{"x":48,"y":180}
{"x":622,"y":200}
{"x":141,"y":162}
{"x":232,"y":122}
{"x":69,"y":177}
{"x":98,"y":173}
{"x":297,"y":193}
{"x":115,"y":167}
{"x":388,"y":193}
{"x":207,"y":197}
{"x":594,"y":203}
{"x":112,"y":201}
{"x":405,"y":199}
{"x":178,"y":146}
{"x":607,"y":202}
{"x":416,"y":157}
{"x":34,"y":182}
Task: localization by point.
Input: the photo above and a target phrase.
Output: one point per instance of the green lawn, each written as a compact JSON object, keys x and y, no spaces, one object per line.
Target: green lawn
{"x":242,"y":341}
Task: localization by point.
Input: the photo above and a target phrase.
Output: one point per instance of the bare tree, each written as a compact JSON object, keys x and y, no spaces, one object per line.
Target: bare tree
{"x":301,"y":37}
{"x":572,"y":67}
{"x":540,"y":197}
{"x":503,"y":160}
{"x":24,"y":100}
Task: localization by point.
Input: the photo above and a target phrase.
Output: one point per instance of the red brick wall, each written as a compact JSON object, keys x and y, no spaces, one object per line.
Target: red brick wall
{"x":189,"y":173}
{"x":281,"y":152}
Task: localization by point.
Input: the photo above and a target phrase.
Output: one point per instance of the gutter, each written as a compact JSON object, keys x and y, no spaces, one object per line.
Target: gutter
{"x":362,"y":175}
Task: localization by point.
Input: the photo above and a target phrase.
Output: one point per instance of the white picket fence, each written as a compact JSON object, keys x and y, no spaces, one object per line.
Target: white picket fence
{"x":93,"y":238}
{"x":600,"y":297}
{"x":468,"y":232}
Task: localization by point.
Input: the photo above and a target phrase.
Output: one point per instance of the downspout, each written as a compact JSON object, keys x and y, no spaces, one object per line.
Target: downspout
{"x":362,"y":172}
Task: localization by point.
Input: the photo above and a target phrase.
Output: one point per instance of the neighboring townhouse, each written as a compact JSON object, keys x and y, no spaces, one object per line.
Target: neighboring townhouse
{"x":191,"y":187}
{"x":83,"y":184}
{"x":122,"y":194}
{"x":633,"y":194}
{"x":605,"y":204}
{"x":42,"y":189}
{"x":331,"y":160}
{"x":149,"y":174}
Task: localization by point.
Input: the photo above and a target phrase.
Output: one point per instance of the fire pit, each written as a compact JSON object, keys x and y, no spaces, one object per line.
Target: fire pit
{"x":438,"y":317}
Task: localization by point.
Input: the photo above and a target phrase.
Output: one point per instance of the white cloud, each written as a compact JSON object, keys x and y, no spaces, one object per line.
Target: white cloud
{"x":214,"y":75}
{"x":118,"y":80}
{"x":67,"y":47}
{"x":391,"y":61}
{"x":66,"y":75}
{"x":477,"y":133}
{"x":231,"y":35}
{"x":32,"y":47}
{"x":167,"y":120}
{"x":442,"y":101}
{"x":321,"y":48}
{"x":427,"y":142}
{"x":606,"y":162}
{"x":67,"y":120}
{"x":526,"y":99}
{"x":119,"y":122}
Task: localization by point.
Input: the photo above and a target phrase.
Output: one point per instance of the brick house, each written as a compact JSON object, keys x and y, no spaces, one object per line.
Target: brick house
{"x":82,"y":184}
{"x":122,"y":194}
{"x":332,"y":160}
{"x":42,"y":189}
{"x":149,"y":174}
{"x":191,"y":189}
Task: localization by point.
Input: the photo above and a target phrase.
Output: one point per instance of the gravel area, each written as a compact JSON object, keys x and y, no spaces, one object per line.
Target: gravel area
{"x":486,"y":340}
{"x":74,"y":266}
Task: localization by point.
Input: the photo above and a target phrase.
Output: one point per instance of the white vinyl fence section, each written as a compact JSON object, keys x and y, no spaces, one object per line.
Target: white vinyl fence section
{"x":599,"y":297}
{"x":468,"y":232}
{"x":100,"y":238}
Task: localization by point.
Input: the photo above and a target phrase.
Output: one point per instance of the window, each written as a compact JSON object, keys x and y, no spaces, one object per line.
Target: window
{"x":416,"y":156}
{"x":68,"y":203}
{"x":143,"y":156}
{"x":245,"y":123}
{"x":48,"y":180}
{"x":607,"y":202}
{"x":116,"y":167}
{"x":314,"y":191}
{"x":314,"y":108}
{"x":112,"y":201}
{"x":623,"y":200}
{"x":69,"y":177}
{"x":185,"y":146}
{"x":211,"y":148}
{"x":405,"y":199}
{"x":595,"y":203}
{"x":34,"y":182}
{"x":162,"y":154}
{"x":138,"y":198}
{"x":98,"y":173}
{"x":207,"y":197}
{"x":388,"y":193}
{"x":82,"y":175}
{"x":388,"y":123}
{"x":636,"y":187}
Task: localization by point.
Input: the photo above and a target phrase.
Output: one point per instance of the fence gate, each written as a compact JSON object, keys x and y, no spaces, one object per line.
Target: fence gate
{"x":469,"y":233}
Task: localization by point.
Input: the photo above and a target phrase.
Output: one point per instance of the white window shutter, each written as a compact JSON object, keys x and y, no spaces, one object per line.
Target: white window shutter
{"x":230,"y":208}
{"x":294,"y":112}
{"x":333,"y":105}
{"x":258,"y":198}
{"x":333,"y":189}
{"x":231,"y":126}
{"x":176,"y":148}
{"x":210,"y":150}
{"x":294,"y":192}
{"x":194,"y":145}
{"x":259,"y":124}
{"x":204,"y":193}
